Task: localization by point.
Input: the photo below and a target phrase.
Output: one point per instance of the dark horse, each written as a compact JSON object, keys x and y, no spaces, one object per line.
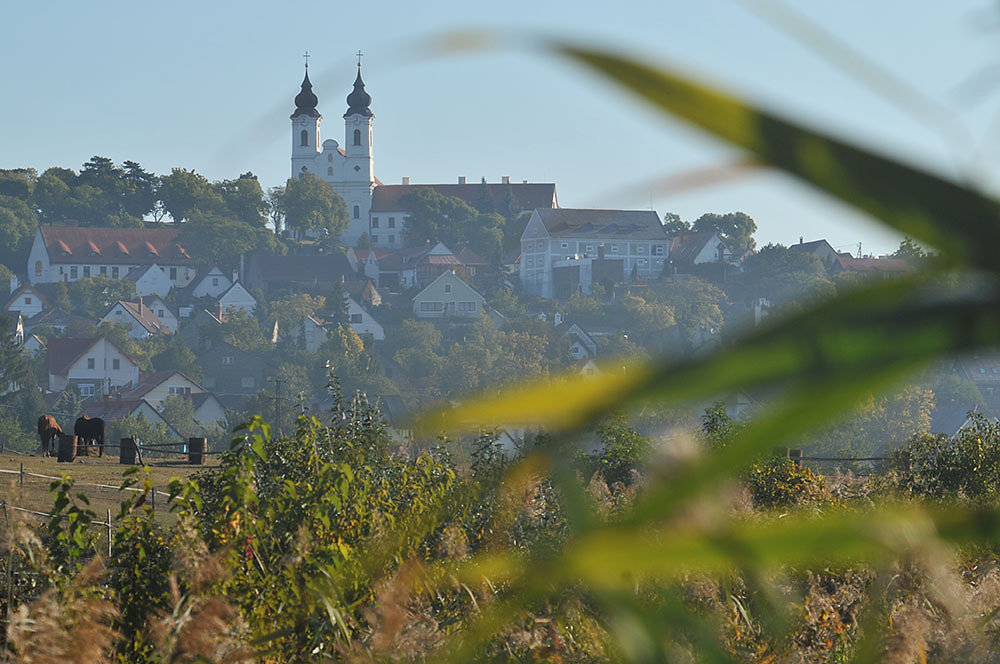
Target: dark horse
{"x":91,"y":432}
{"x":48,"y":431}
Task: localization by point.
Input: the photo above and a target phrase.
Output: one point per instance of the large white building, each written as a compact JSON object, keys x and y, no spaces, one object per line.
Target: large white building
{"x":564,"y":251}
{"x":374,"y":208}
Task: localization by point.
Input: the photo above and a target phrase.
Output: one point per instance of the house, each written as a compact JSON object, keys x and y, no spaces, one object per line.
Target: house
{"x":582,"y":345}
{"x":138,"y":318}
{"x":231,"y":374}
{"x":211,"y":284}
{"x":388,"y":218}
{"x":159,"y":307}
{"x":363,"y":291}
{"x":564,"y":251}
{"x":415,"y":266}
{"x":448,"y":297}
{"x":155,"y":387}
{"x":362,"y":322}
{"x":58,"y":320}
{"x":26,"y":300}
{"x":115,"y":408}
{"x":93,"y":366}
{"x":365,"y":261}
{"x":69,"y":253}
{"x":697,"y":249}
{"x":33,"y":344}
{"x":820,"y":249}
{"x":237,"y":298}
{"x":311,"y":273}
{"x":588,"y":368}
{"x":198,"y":332}
{"x":310,"y":333}
{"x":474,"y":263}
{"x":150,"y":279}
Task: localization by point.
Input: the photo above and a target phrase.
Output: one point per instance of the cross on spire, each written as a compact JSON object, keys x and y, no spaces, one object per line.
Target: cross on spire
{"x":359,"y":54}
{"x":306,"y":56}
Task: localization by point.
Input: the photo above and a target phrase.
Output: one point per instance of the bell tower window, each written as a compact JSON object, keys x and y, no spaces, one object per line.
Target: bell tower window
{"x":304,"y":138}
{"x":357,"y":137}
{"x":357,"y":211}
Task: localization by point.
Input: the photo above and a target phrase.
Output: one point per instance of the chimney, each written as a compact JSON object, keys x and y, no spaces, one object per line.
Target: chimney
{"x":406,"y":180}
{"x":461,"y":179}
{"x":140,"y":306}
{"x":524,"y":182}
{"x":505,"y":179}
{"x":236,"y":276}
{"x":801,"y":239}
{"x":218,"y":307}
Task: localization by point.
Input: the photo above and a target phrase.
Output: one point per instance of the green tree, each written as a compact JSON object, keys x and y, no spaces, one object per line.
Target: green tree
{"x":674,"y":225}
{"x":52,"y":194}
{"x":92,"y":297}
{"x":696,"y":304}
{"x":140,"y":190}
{"x":290,"y":311}
{"x":178,"y":411}
{"x":311,"y":205}
{"x":18,"y":183}
{"x":177,"y":356}
{"x":910,"y":251}
{"x":244,"y":199}
{"x":18,"y":225}
{"x":736,"y":229}
{"x":183,"y":192}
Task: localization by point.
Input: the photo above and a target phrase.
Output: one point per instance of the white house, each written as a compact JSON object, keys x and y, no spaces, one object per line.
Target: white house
{"x":113,"y":409}
{"x":237,"y":298}
{"x":27,"y":301}
{"x":156,"y":304}
{"x":157,"y":386}
{"x":91,"y":365}
{"x":698,"y":249}
{"x":140,"y":320}
{"x":448,"y":297}
{"x":564,"y":251}
{"x":582,"y":345}
{"x":212,"y":284}
{"x":362,"y":322}
{"x":69,"y":253}
{"x":150,"y":279}
{"x":311,"y":332}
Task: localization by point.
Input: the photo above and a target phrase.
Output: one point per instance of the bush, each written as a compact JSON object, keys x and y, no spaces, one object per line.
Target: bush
{"x":779,"y":483}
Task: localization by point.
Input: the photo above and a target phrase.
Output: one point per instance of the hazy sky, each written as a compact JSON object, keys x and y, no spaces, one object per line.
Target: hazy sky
{"x":209,"y":86}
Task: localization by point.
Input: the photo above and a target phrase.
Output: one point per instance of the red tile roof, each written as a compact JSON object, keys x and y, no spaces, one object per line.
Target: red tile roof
{"x":63,"y":352}
{"x":76,"y":244}
{"x":684,"y":248}
{"x":149,"y":321}
{"x":529,"y":196}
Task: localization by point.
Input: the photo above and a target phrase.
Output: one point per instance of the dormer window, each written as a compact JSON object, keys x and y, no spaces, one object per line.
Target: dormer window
{"x":447,"y":288}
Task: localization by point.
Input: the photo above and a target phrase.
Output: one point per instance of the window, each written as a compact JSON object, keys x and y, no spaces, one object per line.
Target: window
{"x":355,"y":318}
{"x":86,"y":389}
{"x":118,"y":313}
{"x":173,"y":274}
{"x":357,"y":137}
{"x":215,"y":281}
{"x":614,"y":248}
{"x":27,"y":300}
{"x":392,"y":222}
{"x":529,"y":262}
{"x":392,"y":239}
{"x":114,"y":273}
{"x":72,"y":272}
{"x":357,"y":211}
{"x":227,"y":359}
{"x":38,"y":268}
{"x":104,"y":270}
{"x":467,"y":307}
{"x":329,"y":157}
{"x":116,"y":364}
{"x":86,"y":270}
{"x":329,"y":170}
{"x":159,"y":313}
{"x":432,"y":306}
{"x":304,"y":138}
{"x":564,"y":245}
{"x":374,"y":222}
{"x":91,"y":363}
{"x":447,"y":288}
{"x":640,"y":249}
{"x":657,"y":249}
{"x":590,"y":248}
{"x":374,"y":239}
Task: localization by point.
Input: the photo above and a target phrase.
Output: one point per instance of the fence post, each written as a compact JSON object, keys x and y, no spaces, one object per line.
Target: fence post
{"x":796,"y":457}
{"x":20,"y":477}
{"x":196,"y":450}
{"x":152,"y":493}
{"x":109,"y":533}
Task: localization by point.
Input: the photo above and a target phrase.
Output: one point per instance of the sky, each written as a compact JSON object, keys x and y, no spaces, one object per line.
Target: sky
{"x":209,"y":86}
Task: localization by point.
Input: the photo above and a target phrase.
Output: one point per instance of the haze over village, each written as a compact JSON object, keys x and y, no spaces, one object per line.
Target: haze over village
{"x":668,"y":336}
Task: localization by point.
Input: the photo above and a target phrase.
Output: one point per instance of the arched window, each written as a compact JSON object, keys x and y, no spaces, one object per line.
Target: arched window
{"x":357,"y":211}
{"x":38,"y":268}
{"x":304,"y":137}
{"x":329,"y":170}
{"x":357,"y":137}
{"x":329,"y":157}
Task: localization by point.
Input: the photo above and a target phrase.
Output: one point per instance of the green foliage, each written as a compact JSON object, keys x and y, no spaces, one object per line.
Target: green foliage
{"x":735,"y":229}
{"x":18,"y":224}
{"x":93,"y":297}
{"x":311,"y":205}
{"x":965,"y":464}
{"x":70,"y":536}
{"x":778,"y":483}
{"x":434,"y":217}
{"x":622,"y":453}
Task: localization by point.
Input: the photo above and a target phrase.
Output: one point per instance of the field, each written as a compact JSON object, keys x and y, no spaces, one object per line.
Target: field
{"x":88,"y":472}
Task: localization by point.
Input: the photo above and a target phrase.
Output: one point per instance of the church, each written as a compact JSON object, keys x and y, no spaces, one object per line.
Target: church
{"x":373,"y":208}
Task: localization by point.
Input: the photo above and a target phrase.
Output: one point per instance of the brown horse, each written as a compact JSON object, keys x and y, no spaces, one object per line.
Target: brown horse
{"x":48,"y":431}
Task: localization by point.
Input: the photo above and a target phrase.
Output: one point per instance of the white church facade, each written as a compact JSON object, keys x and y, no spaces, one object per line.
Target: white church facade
{"x":351,"y":168}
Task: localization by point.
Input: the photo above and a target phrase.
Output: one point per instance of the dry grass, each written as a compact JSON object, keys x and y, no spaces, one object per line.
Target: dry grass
{"x":34,"y":493}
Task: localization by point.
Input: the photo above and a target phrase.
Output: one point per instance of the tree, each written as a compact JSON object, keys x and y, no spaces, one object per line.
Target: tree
{"x":216,"y":239}
{"x":18,"y":225}
{"x":290,"y":311}
{"x":52,"y":194}
{"x":183,"y":192}
{"x":244,"y":199}
{"x":276,"y":208}
{"x":176,"y":356}
{"x":736,"y":229}
{"x":674,"y":225}
{"x":645,"y":317}
{"x":18,"y":182}
{"x":178,"y":411}
{"x":911,"y":252}
{"x":92,"y":297}
{"x":140,"y":190}
{"x":15,"y":369}
{"x":696,"y":304}
{"x":311,"y":205}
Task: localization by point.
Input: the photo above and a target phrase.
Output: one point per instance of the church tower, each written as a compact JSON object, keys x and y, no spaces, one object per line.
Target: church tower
{"x":359,"y":166}
{"x":305,"y":128}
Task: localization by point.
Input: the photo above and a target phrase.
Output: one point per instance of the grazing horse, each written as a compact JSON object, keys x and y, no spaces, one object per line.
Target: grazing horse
{"x":48,"y":431}
{"x":91,"y":432}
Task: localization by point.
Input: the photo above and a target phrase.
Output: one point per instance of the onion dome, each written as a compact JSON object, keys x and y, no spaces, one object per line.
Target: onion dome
{"x":305,"y":101}
{"x":359,"y":100}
